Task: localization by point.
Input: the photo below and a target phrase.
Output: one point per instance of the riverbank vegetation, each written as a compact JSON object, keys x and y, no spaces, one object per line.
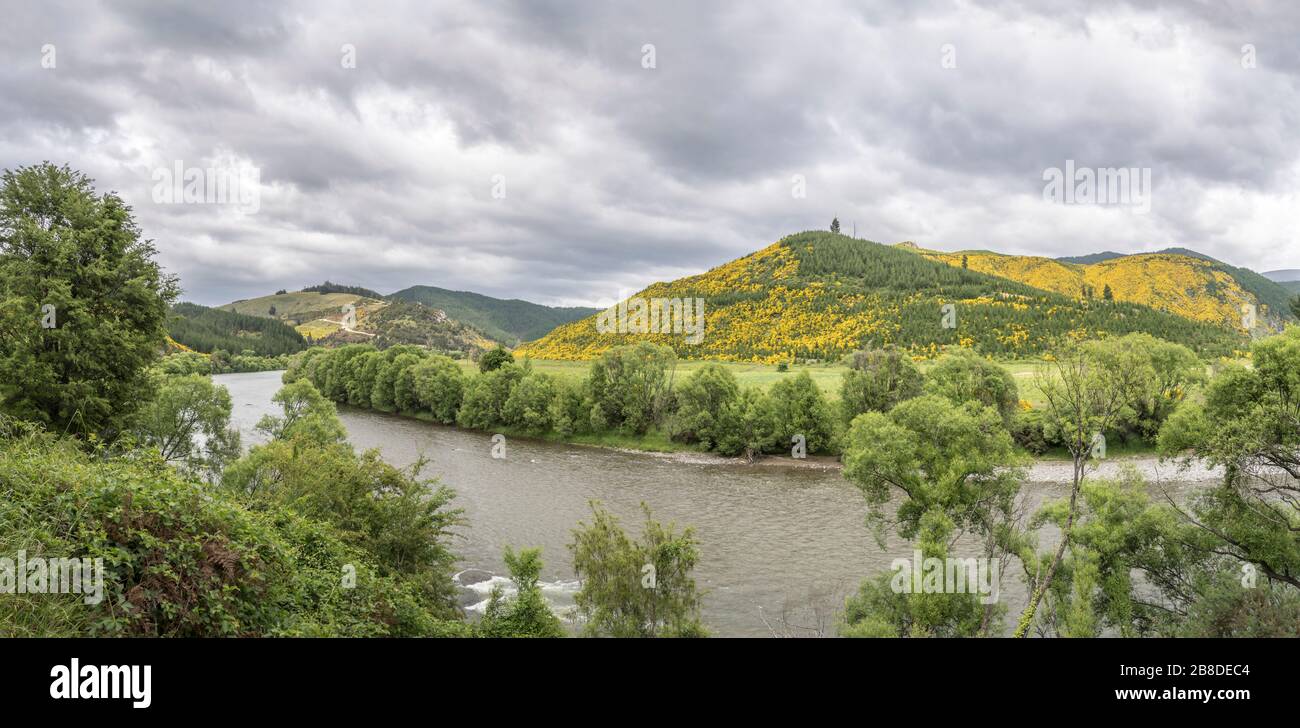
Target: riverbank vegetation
{"x":642,"y":397}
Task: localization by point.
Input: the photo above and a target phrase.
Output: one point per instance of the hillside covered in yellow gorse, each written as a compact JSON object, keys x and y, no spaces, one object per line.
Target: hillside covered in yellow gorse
{"x":1190,"y":287}
{"x":819,"y":296}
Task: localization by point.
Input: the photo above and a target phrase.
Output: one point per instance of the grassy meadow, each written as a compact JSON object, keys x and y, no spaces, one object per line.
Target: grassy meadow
{"x":826,"y":376}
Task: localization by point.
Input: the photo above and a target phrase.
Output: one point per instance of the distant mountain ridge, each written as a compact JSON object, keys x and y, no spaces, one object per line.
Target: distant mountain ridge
{"x":507,"y":320}
{"x":1287,"y":275}
{"x":455,"y":318}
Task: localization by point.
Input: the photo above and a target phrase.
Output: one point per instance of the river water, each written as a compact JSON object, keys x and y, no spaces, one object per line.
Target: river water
{"x":779,"y":546}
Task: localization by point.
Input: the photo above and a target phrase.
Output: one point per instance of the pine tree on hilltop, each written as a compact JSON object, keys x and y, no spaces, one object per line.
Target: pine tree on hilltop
{"x":835,"y":225}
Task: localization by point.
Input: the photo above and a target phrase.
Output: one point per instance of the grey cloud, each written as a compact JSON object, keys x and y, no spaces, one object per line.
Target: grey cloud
{"x":620,"y":175}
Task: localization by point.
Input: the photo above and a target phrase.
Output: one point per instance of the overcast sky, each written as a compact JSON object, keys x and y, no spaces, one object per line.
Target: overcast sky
{"x":543,"y":151}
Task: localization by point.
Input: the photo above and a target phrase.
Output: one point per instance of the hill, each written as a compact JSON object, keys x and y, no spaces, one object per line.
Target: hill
{"x":415,"y":323}
{"x":818,"y":295}
{"x":1290,"y":275}
{"x":1176,"y":280}
{"x":508,"y":321}
{"x":319,"y":315}
{"x":206,"y":329}
{"x":300,"y":306}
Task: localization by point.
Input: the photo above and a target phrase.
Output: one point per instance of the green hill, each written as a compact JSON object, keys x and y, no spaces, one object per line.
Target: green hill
{"x":509,"y":321}
{"x":208,"y":329}
{"x":414,"y":323}
{"x":818,"y":295}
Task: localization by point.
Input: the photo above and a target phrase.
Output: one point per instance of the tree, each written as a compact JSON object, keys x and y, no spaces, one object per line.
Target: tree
{"x":964,"y":376}
{"x":1247,"y":424}
{"x":955,"y":468}
{"x":1107,"y":294}
{"x":752,"y":425}
{"x":525,"y":614}
{"x":305,"y":414}
{"x":965,"y":263}
{"x":627,"y":384}
{"x":640,"y":588}
{"x":439,"y":386}
{"x":398,"y":358}
{"x":881,"y":610}
{"x":706,"y":406}
{"x":1294,"y":304}
{"x":494,"y":359}
{"x":799,"y":408}
{"x":835,"y":225}
{"x":1162,"y":374}
{"x":271,"y":311}
{"x":188,"y":420}
{"x":483,"y":405}
{"x":1088,"y":388}
{"x":529,"y":405}
{"x":83,"y":305}
{"x":877,"y":380}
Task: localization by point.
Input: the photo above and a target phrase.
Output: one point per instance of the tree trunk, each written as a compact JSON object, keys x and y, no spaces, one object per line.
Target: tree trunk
{"x":1027,"y":617}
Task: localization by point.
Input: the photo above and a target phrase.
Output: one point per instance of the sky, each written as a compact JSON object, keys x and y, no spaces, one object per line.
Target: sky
{"x":568,"y":153}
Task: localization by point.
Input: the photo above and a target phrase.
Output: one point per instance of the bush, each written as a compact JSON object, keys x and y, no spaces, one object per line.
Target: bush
{"x":1029,"y":430}
{"x":495,"y":359}
{"x":526,"y":614}
{"x":181,"y":560}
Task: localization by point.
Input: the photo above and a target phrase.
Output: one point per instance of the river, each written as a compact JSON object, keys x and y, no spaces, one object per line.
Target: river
{"x":779,"y":546}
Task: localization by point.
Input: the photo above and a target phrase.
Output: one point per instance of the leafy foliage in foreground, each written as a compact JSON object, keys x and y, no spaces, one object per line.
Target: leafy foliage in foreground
{"x":184,"y":560}
{"x":636,"y":588}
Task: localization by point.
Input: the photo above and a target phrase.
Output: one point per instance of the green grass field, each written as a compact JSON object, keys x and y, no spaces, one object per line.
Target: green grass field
{"x":827,"y":376}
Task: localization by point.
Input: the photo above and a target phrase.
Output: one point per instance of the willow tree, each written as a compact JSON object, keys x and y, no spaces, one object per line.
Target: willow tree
{"x":1088,"y":388}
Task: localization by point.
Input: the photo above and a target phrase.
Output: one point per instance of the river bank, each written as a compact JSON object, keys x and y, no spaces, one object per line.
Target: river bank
{"x":782,"y":541}
{"x":656,"y":444}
